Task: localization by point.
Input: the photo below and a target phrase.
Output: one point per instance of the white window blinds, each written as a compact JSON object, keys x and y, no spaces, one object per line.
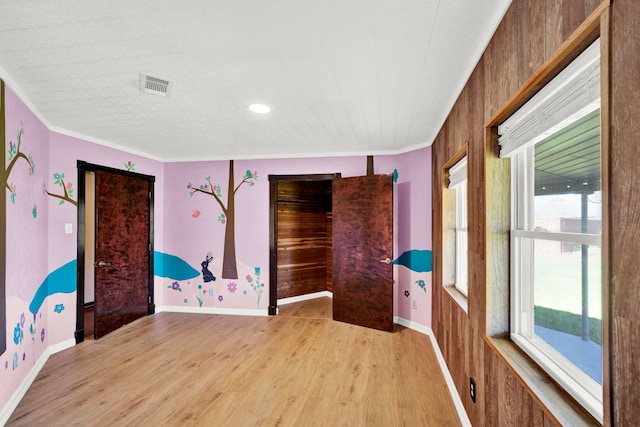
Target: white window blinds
{"x":458,"y":173}
{"x":572,"y":94}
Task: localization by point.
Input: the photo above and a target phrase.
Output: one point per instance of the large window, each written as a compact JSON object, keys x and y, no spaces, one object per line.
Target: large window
{"x":455,"y":233}
{"x":553,"y":142}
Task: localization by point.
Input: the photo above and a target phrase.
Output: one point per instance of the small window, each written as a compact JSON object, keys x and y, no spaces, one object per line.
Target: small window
{"x":455,"y":224}
{"x":553,"y":142}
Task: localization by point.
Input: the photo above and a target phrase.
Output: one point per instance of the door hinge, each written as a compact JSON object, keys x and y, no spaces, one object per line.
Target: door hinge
{"x":149,"y":195}
{"x":149,"y":247}
{"x":149,"y":299}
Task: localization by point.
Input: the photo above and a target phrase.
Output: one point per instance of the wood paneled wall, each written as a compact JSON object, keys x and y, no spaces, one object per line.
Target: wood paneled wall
{"x":303,"y":236}
{"x":530,"y":33}
{"x":624,"y":187}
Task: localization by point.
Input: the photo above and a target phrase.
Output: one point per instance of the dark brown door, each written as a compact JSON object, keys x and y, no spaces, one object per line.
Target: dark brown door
{"x":122,"y":250}
{"x":362,"y":251}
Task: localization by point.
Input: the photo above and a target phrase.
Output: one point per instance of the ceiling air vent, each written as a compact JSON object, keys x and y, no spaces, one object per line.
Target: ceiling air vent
{"x":154,"y":85}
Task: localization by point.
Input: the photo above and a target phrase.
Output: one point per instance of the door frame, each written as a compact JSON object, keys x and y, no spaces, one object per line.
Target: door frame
{"x":273,"y":227}
{"x":83,"y":168}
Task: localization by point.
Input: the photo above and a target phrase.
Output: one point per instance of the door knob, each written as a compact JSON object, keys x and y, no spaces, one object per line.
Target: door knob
{"x":386,"y":261}
{"x":104,"y":264}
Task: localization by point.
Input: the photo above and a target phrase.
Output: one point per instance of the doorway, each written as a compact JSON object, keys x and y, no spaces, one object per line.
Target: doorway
{"x":300,"y":236}
{"x":115,"y":249}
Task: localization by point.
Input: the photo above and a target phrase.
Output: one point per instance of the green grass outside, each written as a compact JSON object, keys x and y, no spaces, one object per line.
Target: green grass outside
{"x":566,"y":322}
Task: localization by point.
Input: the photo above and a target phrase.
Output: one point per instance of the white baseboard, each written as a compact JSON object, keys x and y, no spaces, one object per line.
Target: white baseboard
{"x":462,"y":413}
{"x":284,"y":301}
{"x":22,"y":389}
{"x":57,"y":348}
{"x":211,"y":310}
{"x":412,"y":325}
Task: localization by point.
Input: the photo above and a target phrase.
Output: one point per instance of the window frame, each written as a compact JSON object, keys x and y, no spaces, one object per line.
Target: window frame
{"x":455,"y":233}
{"x":523,"y":234}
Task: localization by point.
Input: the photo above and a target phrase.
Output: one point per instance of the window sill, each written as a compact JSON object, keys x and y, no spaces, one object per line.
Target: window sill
{"x":554,"y":401}
{"x":460,"y":298}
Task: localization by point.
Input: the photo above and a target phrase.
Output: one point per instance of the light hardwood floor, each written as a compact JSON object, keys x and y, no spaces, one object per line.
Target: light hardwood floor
{"x":215,"y":370}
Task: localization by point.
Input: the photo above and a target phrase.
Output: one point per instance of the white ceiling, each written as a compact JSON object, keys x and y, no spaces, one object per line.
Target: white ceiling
{"x":341,"y":76}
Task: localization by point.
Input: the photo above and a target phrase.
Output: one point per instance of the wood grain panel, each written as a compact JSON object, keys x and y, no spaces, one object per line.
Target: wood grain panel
{"x":329,"y":251}
{"x":362,"y":237}
{"x":624,"y":211}
{"x":302,"y":238}
{"x":122,"y":242}
{"x":531,"y":27}
{"x":530,"y":34}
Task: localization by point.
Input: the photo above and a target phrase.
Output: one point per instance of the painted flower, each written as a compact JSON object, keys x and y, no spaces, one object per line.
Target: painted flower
{"x":244,"y":292}
{"x":22,"y":320}
{"x":195,"y":213}
{"x":232,"y":287}
{"x":249,"y":278}
{"x":186,"y":300}
{"x":257,"y":269}
{"x":210,"y":292}
{"x":15,"y":361}
{"x":394,"y":175}
{"x":42,"y":335}
{"x":17,"y":334}
{"x":220,"y":298}
{"x":406,"y":294}
{"x":69,"y":186}
{"x":175,"y":286}
{"x":422,"y":285}
{"x":59,"y":308}
{"x":24,"y":356}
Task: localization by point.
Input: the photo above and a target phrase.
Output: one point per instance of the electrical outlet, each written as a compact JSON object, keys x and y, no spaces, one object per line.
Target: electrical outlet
{"x":414,"y":305}
{"x":472,"y":390}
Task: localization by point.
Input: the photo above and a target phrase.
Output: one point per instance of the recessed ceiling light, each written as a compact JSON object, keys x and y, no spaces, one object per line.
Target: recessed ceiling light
{"x":259,"y":108}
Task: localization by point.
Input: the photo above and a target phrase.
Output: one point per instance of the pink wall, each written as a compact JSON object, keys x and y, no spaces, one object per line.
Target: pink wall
{"x":64,"y":153}
{"x":37,"y":244}
{"x":413,"y":232}
{"x":26,"y":240}
{"x":192,"y":228}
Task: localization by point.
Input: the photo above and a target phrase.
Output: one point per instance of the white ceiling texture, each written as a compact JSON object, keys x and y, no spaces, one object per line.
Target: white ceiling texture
{"x":341,"y":76}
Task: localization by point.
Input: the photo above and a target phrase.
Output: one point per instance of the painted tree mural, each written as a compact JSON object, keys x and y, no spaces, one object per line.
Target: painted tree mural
{"x":67,"y":189}
{"x":15,"y":154}
{"x":227,"y":217}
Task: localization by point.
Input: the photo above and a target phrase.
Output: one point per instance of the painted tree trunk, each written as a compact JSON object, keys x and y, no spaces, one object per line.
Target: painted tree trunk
{"x":229,"y":267}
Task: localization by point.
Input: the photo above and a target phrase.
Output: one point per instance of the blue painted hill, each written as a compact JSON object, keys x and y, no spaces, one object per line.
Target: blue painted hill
{"x":416,"y":260}
{"x":63,"y":279}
